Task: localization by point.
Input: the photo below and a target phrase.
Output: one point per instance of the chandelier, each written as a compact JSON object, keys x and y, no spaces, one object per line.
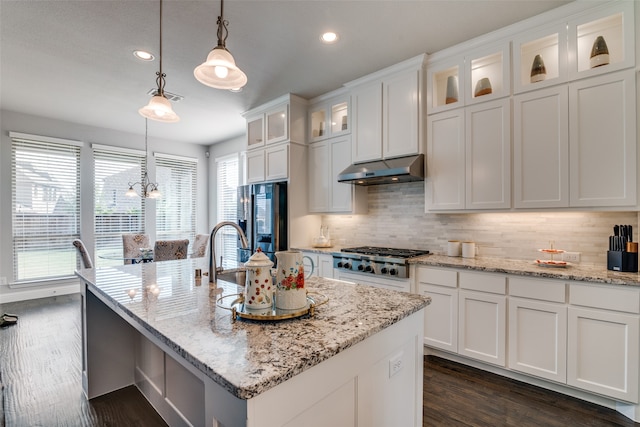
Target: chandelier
{"x":148,"y":189}
{"x":159,"y":107}
{"x":220,"y":70}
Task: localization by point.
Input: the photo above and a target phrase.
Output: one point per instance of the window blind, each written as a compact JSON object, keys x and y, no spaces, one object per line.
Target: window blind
{"x":227,"y":208}
{"x":115,"y":213}
{"x":176,"y":210}
{"x":45,"y":188}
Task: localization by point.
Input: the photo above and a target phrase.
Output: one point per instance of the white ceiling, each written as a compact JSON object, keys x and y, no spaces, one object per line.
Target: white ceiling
{"x":72,"y":60}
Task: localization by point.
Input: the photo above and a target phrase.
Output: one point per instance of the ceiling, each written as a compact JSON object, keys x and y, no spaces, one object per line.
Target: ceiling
{"x":73,"y":61}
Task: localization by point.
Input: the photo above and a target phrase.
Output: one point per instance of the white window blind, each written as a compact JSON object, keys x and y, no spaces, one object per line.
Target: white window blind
{"x":176,"y":210}
{"x":45,"y":189}
{"x":115,"y":213}
{"x":227,"y":209}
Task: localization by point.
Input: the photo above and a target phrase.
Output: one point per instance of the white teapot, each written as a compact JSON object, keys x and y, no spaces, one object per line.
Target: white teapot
{"x":291,"y":293}
{"x":258,"y":289}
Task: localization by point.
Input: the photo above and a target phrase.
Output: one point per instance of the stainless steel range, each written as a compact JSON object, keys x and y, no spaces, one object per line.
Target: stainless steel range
{"x":383,"y":262}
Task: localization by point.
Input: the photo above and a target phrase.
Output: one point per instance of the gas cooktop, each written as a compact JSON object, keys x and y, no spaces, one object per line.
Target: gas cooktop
{"x":390,"y":252}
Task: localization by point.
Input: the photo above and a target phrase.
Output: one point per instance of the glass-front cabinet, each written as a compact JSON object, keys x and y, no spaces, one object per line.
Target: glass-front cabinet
{"x":255,"y":131}
{"x":445,"y":85}
{"x":488,"y":74}
{"x":329,"y":116}
{"x":276,"y":129}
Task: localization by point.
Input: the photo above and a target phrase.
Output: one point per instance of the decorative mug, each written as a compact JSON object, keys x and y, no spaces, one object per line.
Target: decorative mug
{"x":258,"y":289}
{"x":290,"y":291}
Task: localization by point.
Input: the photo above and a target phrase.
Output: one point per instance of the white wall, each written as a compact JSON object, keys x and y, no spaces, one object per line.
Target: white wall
{"x":17,"y":122}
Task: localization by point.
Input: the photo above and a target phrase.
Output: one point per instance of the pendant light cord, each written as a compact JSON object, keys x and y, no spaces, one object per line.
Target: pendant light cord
{"x":160,"y":79}
{"x":223,"y":32}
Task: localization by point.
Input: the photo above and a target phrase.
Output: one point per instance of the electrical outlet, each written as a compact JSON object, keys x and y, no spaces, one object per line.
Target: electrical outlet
{"x":395,"y":364}
{"x":3,"y":281}
{"x":571,"y":257}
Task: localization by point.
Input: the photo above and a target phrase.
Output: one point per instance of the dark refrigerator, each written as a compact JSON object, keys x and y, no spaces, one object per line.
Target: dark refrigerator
{"x":262,"y":215}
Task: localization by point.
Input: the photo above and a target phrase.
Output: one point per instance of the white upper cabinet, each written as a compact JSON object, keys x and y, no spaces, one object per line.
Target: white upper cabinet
{"x":614,"y":23}
{"x":541,"y":148}
{"x":602,"y":142}
{"x":488,"y":74}
{"x":446,"y":88}
{"x":329,"y":116}
{"x":387,"y":112}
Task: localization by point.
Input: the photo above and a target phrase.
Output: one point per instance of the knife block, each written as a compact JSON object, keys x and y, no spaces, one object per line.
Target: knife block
{"x":622,"y":261}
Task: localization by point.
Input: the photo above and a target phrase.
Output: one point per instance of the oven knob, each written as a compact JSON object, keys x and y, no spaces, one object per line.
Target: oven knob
{"x":368,"y":269}
{"x":347,"y":265}
{"x":361,"y":267}
{"x":393,"y":271}
{"x":339,"y":264}
{"x":384,"y":270}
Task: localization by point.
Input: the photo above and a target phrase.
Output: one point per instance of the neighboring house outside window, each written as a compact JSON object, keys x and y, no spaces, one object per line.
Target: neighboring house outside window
{"x":176,"y":209}
{"x":227,"y":208}
{"x":45,"y":179}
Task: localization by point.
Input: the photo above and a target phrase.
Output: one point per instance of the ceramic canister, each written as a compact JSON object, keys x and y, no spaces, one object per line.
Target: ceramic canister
{"x":291,"y":293}
{"x":258,"y":289}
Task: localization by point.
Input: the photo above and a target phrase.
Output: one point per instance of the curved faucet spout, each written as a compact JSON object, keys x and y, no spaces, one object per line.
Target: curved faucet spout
{"x":213,"y":269}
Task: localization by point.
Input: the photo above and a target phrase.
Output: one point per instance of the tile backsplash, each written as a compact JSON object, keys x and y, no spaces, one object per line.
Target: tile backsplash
{"x":396,"y":218}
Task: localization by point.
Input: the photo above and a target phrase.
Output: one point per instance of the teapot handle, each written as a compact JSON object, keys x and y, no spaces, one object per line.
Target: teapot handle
{"x":312,"y":266}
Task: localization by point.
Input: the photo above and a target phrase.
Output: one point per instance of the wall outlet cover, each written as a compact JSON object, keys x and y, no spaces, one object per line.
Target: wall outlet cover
{"x":571,"y":257}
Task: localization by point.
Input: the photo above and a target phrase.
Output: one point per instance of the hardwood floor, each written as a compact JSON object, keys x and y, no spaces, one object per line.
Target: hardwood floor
{"x":40,"y":384}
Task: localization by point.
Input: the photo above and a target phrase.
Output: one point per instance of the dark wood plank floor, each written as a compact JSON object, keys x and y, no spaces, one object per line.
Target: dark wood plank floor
{"x":41,"y":386}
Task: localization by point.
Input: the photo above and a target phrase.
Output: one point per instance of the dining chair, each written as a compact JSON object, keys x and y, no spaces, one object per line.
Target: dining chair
{"x":165,"y":250}
{"x":84,"y":254}
{"x":131,"y":244}
{"x":200,"y":246}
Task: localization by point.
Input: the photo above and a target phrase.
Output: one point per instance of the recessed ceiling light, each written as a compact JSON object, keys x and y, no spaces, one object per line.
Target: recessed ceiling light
{"x":143,"y":55}
{"x":329,"y":37}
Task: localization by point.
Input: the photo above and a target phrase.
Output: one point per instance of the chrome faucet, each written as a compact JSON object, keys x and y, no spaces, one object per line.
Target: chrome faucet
{"x":213,"y":269}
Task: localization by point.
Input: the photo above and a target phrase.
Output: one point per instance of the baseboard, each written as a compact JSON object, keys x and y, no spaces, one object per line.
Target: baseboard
{"x":8,"y":294}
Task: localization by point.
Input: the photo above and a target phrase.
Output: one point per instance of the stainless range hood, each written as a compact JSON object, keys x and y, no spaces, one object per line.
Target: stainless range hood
{"x":388,"y":171}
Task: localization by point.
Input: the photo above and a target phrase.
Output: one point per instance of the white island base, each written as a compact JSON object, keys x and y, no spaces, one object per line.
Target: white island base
{"x":376,"y":382}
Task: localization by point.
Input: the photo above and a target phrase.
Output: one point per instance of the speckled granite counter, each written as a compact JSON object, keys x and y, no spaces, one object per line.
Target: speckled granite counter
{"x":245,"y":357}
{"x":588,"y":273}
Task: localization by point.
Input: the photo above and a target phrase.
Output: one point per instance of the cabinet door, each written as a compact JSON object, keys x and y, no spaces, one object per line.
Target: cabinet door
{"x":441,"y":319}
{"x":445,"y":184}
{"x":488,"y":153}
{"x":541,"y":149}
{"x":341,"y":199}
{"x":276,"y":128}
{"x":401,"y":114}
{"x":319,"y":179}
{"x":255,"y":131}
{"x":324,"y":267}
{"x":367,"y":123}
{"x":482,"y":326}
{"x":602,"y":144}
{"x":538,"y":338}
{"x":602,"y":353}
{"x":255,"y":166}
{"x":277,"y":162}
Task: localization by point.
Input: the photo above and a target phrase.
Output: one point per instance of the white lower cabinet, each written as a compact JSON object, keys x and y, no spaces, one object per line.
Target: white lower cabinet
{"x":441,"y":319}
{"x":603,"y":331}
{"x":482,"y":327}
{"x":322,"y":264}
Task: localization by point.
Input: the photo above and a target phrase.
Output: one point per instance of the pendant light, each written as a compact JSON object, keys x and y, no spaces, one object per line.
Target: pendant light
{"x":159,"y":107}
{"x":148,"y":189}
{"x":220,"y":70}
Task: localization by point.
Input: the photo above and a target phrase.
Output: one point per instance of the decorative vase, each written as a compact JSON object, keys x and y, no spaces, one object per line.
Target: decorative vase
{"x":291,"y":293}
{"x":483,"y":87}
{"x":599,"y":53}
{"x":452,"y":90}
{"x":538,"y":70}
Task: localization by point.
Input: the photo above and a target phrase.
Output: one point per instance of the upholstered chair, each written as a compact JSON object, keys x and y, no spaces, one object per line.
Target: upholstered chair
{"x":84,"y":254}
{"x":131,"y":244}
{"x":200,"y":246}
{"x":165,"y":250}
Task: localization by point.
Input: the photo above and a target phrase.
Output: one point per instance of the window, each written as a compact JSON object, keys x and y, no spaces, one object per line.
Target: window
{"x":45,"y":179}
{"x":176,"y":209}
{"x":227,"y":179}
{"x":115,"y":213}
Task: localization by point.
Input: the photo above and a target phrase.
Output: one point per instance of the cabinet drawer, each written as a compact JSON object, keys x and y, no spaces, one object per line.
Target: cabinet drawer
{"x":540,"y":289}
{"x":483,"y":282}
{"x":605,"y":297}
{"x":438,"y":276}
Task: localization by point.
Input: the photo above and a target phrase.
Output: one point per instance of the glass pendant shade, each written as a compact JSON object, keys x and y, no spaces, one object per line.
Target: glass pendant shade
{"x":131,"y":192}
{"x":220,"y":70}
{"x":159,"y":109}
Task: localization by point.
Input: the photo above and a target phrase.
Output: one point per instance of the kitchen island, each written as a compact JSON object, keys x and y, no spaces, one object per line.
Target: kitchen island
{"x":357,"y":361}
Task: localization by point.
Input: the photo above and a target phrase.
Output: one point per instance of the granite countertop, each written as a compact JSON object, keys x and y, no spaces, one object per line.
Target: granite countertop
{"x":581,"y":272}
{"x":245,"y":357}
